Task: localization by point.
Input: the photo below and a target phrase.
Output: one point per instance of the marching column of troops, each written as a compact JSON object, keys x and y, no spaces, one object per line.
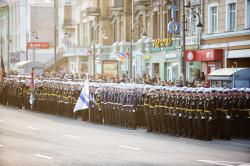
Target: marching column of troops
{"x":200,"y":113}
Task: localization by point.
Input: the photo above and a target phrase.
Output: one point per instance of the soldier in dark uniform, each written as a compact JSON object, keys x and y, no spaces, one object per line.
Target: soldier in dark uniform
{"x":178,"y":113}
{"x":191,"y":118}
{"x":172,"y":114}
{"x":124,"y":107}
{"x":151,"y":115}
{"x":182,"y":116}
{"x":120,"y":106}
{"x":157,"y":113}
{"x":131,"y":109}
{"x":167,"y":111}
{"x":187,"y":117}
{"x":140,"y":115}
{"x":147,"y":109}
{"x":200,"y":118}
{"x":247,"y":113}
{"x":20,"y":95}
{"x":243,"y":107}
{"x":1,"y":91}
{"x":235,"y":115}
{"x":92,"y":105}
{"x":209,"y":108}
{"x":218,"y":114}
{"x":112,"y":106}
{"x":140,"y":108}
{"x":162,"y":111}
{"x":99,"y":117}
{"x":226,"y":116}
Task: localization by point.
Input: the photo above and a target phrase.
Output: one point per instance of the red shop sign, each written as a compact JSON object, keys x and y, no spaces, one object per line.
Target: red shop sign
{"x":204,"y":55}
{"x":40,"y":45}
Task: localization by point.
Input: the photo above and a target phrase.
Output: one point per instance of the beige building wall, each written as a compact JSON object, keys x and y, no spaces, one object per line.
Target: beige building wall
{"x":240,"y":16}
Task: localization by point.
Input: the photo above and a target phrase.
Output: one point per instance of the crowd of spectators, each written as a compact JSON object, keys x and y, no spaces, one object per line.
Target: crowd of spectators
{"x":125,"y":78}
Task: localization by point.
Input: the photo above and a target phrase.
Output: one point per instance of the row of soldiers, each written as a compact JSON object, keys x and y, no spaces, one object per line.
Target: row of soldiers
{"x":201,"y":113}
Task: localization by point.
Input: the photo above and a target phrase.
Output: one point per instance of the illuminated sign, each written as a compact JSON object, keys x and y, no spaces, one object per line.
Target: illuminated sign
{"x":173,"y":26}
{"x":147,"y":57}
{"x":157,"y":43}
{"x":40,"y":45}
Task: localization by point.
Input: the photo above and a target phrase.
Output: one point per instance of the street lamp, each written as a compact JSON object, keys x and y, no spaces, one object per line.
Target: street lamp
{"x":34,"y":35}
{"x":105,"y":37}
{"x":131,"y":42}
{"x":199,"y":27}
{"x":236,"y":66}
{"x":9,"y":41}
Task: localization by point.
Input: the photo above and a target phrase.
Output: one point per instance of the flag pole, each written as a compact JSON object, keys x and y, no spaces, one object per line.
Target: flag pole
{"x":89,"y":98}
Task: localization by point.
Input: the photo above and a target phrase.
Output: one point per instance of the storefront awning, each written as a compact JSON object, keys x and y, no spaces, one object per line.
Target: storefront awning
{"x":228,"y":73}
{"x":204,"y":55}
{"x":71,"y":52}
{"x":22,"y":63}
{"x":239,"y":53}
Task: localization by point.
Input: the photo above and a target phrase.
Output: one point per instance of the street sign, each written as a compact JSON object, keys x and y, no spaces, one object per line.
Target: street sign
{"x":192,"y":47}
{"x":38,"y":45}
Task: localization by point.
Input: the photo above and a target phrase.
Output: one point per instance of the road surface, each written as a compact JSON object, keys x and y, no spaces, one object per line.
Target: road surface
{"x":36,"y":139}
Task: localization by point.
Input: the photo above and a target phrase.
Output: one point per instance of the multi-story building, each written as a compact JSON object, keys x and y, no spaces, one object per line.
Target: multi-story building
{"x":29,"y":33}
{"x":225,"y":37}
{"x":114,"y":27}
{"x":68,"y":52}
{"x":40,"y":31}
{"x":95,"y":34}
{"x":110,"y":26}
{"x":4,"y":32}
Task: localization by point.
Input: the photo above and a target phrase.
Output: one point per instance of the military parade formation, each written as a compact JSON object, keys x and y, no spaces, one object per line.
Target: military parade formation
{"x":199,"y":113}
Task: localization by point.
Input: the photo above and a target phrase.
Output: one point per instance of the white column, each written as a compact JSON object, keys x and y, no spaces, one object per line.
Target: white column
{"x":74,"y":18}
{"x":60,"y":22}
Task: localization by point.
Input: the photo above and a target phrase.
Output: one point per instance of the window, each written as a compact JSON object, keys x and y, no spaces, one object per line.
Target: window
{"x":213,"y":19}
{"x":195,"y":2}
{"x":67,"y":15}
{"x":156,"y":67}
{"x":247,"y":14}
{"x":118,"y":3}
{"x":155,"y":26}
{"x":148,"y":26}
{"x":231,"y":19}
{"x":121,"y":31}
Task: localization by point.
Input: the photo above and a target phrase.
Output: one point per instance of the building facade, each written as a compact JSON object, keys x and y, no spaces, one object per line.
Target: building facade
{"x":121,"y":29}
{"x":4,"y":33}
{"x":29,"y":33}
{"x":224,"y":38}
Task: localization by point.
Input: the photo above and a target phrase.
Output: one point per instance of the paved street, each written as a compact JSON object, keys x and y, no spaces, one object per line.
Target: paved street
{"x":30,"y":139}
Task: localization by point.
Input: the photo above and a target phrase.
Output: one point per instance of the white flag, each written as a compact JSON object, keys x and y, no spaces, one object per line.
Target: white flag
{"x":83,"y":100}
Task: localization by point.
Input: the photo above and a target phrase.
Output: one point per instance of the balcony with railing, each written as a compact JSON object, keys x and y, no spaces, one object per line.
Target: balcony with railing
{"x":92,"y":11}
{"x":142,"y":2}
{"x":195,"y":2}
{"x":69,"y":22}
{"x":117,"y":5}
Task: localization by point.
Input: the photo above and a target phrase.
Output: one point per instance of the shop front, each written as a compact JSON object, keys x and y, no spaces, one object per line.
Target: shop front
{"x":172,"y":66}
{"x":164,"y":65}
{"x":202,"y":62}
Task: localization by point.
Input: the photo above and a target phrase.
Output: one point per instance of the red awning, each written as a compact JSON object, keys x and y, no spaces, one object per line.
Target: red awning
{"x":204,"y":55}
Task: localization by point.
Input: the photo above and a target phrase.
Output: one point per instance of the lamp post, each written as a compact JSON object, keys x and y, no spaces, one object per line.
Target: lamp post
{"x":105,"y":37}
{"x":55,"y":31}
{"x":34,"y":35}
{"x":9,"y":41}
{"x":1,"y":42}
{"x":199,"y":27}
{"x":236,"y":66}
{"x":131,"y":42}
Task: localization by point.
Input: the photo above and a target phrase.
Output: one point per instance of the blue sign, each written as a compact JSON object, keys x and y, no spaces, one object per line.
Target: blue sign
{"x":173,"y":26}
